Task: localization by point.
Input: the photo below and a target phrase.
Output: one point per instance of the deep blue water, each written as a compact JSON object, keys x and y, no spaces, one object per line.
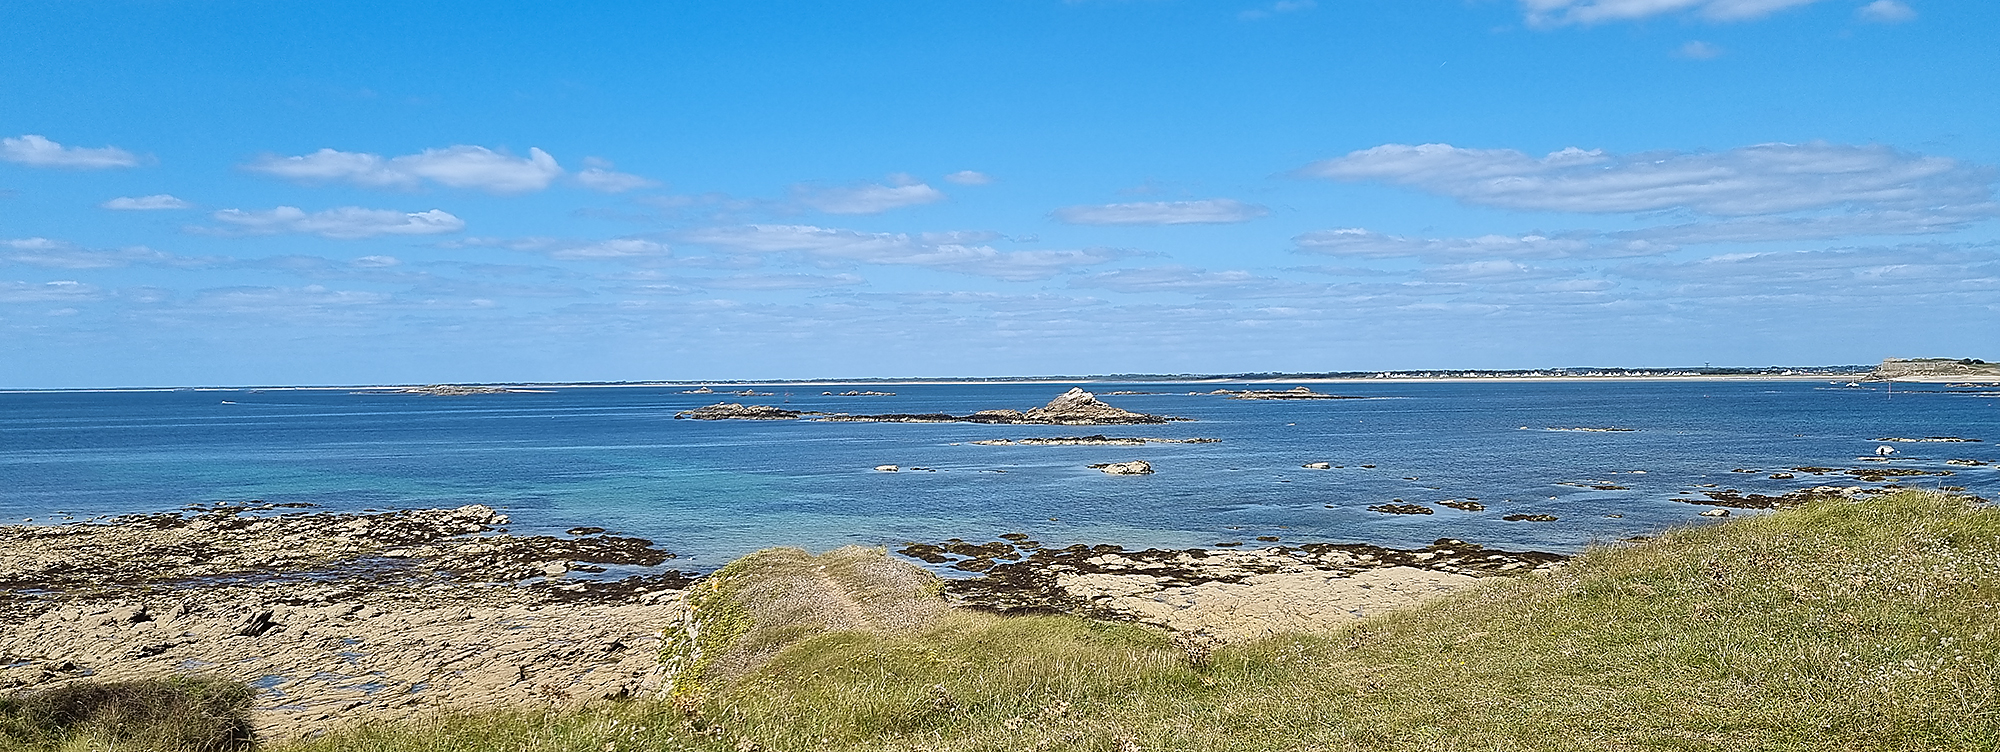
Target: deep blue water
{"x":710,"y":491}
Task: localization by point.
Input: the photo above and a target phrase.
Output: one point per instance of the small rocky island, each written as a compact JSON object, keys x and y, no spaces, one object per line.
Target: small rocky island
{"x":1075,"y":407}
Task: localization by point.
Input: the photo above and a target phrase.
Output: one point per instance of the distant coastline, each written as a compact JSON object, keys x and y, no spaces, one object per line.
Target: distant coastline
{"x":1773,"y":373}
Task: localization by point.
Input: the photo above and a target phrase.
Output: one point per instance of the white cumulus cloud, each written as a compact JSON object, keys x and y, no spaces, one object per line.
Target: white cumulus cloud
{"x":1208,"y":211}
{"x":968,"y":177}
{"x":1751,"y":180}
{"x":38,"y":151}
{"x":346,"y":222}
{"x":154,"y":202}
{"x":473,"y":167}
{"x":868,"y":198}
{"x":1561,"y":12}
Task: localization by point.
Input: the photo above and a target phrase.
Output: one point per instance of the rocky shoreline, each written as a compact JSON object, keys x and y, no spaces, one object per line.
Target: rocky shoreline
{"x":1223,"y":593}
{"x":334,"y":617}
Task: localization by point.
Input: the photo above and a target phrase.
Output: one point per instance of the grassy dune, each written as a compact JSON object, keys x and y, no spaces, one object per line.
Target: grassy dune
{"x":1862,"y":625}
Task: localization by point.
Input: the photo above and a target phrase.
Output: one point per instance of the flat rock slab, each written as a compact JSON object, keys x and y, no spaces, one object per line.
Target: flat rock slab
{"x":1265,"y":604}
{"x":319,"y":667}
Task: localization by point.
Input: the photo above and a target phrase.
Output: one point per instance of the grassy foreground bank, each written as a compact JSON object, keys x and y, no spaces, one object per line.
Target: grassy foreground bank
{"x":1868,"y":625}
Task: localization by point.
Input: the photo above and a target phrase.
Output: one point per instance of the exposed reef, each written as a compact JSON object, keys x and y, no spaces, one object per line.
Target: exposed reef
{"x":1092,"y":440}
{"x":280,"y":554}
{"x":1294,"y":393}
{"x":1219,"y":592}
{"x":1734,"y":499}
{"x":1402,"y":508}
{"x":335,"y":616}
{"x":1135,"y":467}
{"x":1073,"y":408}
{"x":740,"y":411}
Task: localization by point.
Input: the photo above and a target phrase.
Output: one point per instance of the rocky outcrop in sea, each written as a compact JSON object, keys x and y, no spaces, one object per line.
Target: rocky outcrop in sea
{"x":1294,"y":393}
{"x":1073,"y":408}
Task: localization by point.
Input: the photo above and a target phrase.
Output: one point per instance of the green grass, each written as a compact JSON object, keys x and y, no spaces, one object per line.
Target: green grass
{"x":170,"y":715}
{"x":1846,"y":625}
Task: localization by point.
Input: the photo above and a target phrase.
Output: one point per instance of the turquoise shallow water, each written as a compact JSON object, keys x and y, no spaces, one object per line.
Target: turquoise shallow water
{"x":710,"y":491}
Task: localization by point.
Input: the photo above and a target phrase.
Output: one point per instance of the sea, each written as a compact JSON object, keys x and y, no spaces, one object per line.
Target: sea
{"x":616,"y":457}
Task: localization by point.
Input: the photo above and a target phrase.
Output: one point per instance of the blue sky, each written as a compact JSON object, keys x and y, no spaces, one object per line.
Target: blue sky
{"x":292,"y":193}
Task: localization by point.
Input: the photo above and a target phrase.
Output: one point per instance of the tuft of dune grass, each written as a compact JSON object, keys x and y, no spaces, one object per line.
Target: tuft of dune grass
{"x":1866,"y":624}
{"x":187,"y":714}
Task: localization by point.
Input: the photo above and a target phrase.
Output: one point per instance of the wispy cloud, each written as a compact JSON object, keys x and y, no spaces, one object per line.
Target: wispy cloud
{"x":597,"y":175}
{"x":473,"y":167}
{"x":1281,"y":6}
{"x":1696,"y":49}
{"x":39,"y":151}
{"x":1914,"y":272}
{"x":155,"y":202}
{"x":1751,"y":180}
{"x":613,"y":249}
{"x":286,"y":301}
{"x":775,"y":281}
{"x":347,"y":222}
{"x":1886,"y":11}
{"x":1208,"y":211}
{"x":1202,"y":282}
{"x":58,"y":254}
{"x":952,"y":252}
{"x":868,"y":198}
{"x":60,"y":291}
{"x":1355,"y":242}
{"x":968,"y":177}
{"x":1563,"y":12}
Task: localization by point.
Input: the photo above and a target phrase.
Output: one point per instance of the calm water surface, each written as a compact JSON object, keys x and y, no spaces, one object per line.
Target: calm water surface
{"x":711,"y":491}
